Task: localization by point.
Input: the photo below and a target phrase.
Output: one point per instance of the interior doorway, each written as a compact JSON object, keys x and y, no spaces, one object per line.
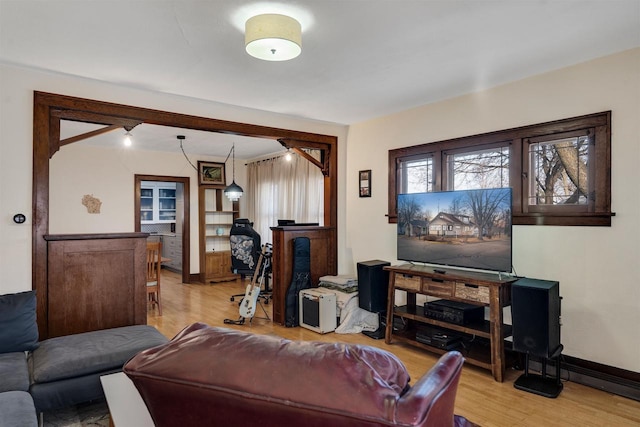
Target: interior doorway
{"x":183,"y":215}
{"x":49,"y":109}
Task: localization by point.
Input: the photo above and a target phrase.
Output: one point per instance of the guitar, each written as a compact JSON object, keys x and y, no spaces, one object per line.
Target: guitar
{"x":248,"y":304}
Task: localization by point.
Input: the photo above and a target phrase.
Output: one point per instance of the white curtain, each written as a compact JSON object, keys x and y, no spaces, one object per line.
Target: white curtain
{"x":281,"y":189}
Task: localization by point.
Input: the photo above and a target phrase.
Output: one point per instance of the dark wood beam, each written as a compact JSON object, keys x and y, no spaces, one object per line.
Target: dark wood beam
{"x":86,"y":135}
{"x":298,"y":145}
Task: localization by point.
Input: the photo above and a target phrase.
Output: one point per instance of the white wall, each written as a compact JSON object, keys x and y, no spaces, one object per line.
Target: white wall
{"x":598,"y":268}
{"x":108,"y":174}
{"x":16,"y":141}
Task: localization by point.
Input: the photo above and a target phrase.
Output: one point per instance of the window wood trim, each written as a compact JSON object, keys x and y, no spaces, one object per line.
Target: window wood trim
{"x":598,"y":215}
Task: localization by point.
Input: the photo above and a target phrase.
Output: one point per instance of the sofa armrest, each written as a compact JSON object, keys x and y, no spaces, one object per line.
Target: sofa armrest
{"x":431,"y":400}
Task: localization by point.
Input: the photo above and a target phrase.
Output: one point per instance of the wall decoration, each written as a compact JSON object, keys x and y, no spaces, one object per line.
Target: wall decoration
{"x":364,"y":181}
{"x":92,"y":203}
{"x":211,"y":173}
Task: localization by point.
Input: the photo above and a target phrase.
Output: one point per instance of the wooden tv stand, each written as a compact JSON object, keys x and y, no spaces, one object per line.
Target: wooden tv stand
{"x":477,"y":288}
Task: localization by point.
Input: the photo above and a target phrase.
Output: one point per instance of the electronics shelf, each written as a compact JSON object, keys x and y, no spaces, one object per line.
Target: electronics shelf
{"x":482,"y":343}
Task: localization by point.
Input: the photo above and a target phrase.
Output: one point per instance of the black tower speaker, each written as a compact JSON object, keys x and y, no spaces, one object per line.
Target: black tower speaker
{"x":535,"y":313}
{"x":373,"y":284}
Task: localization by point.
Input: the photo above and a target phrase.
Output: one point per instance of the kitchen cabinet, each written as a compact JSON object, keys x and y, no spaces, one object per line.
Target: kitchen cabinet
{"x":172,"y":249}
{"x":157,"y":202}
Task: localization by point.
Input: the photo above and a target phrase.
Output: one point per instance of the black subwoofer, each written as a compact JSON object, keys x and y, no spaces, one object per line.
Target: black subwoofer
{"x":535,"y":312}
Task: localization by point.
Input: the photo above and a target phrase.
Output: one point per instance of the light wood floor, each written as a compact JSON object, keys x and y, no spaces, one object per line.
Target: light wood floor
{"x":480,"y":399}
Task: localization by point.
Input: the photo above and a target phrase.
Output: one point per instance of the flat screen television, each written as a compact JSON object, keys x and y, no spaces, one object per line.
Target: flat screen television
{"x":464,"y":228}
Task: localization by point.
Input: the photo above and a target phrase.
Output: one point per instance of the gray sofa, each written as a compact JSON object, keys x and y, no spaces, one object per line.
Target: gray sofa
{"x":38,"y":376}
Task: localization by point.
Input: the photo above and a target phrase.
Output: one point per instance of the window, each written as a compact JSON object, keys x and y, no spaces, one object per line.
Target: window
{"x":560,"y":171}
{"x":417,"y":175}
{"x":485,"y":168}
{"x":279,"y":189}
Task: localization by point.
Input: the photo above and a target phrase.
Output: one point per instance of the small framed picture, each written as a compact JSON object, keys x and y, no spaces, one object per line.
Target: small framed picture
{"x":364,"y":181}
{"x":211,"y":173}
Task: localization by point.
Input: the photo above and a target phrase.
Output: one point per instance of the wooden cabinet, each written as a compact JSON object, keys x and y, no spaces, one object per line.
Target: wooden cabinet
{"x":216,"y":218}
{"x":95,"y":281}
{"x":324,"y":260}
{"x":218,"y":266}
{"x":485,"y":348}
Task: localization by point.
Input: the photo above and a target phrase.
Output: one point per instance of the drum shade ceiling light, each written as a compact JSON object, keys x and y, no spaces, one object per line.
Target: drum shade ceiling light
{"x":273,"y":37}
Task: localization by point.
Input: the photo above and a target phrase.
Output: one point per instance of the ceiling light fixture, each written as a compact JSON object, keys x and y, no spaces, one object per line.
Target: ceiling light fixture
{"x":127,"y":141}
{"x":273,"y":37}
{"x":233,"y":191}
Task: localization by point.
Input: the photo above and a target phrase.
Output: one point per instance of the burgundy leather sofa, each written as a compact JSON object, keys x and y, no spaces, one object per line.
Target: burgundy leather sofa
{"x":223,"y":377}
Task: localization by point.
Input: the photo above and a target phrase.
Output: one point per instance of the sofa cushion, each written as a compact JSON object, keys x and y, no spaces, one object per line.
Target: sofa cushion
{"x":17,"y":409}
{"x":90,"y":352}
{"x":18,"y":328}
{"x":268,"y":368}
{"x":71,"y":391}
{"x":14,"y":372}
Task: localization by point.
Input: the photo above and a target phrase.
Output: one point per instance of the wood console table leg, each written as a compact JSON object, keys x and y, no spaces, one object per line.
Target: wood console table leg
{"x":391,"y":301}
{"x":497,"y":341}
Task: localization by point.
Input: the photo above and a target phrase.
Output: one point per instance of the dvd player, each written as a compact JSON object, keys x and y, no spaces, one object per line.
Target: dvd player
{"x":438,"y":337}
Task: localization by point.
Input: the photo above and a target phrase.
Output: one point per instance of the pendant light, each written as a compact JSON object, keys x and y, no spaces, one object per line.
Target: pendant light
{"x":233,"y":191}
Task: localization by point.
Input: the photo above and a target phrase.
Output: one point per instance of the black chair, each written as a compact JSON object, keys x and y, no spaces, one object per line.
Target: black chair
{"x":245,"y":251}
{"x":245,"y":247}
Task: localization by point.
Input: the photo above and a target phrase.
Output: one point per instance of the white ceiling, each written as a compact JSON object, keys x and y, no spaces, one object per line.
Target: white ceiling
{"x":360,"y":59}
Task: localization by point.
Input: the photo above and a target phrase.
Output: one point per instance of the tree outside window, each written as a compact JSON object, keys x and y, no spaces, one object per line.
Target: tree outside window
{"x":487,"y":168}
{"x":559,"y":171}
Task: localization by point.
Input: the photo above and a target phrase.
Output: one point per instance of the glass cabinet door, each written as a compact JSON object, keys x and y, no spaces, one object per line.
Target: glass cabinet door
{"x":157,"y":204}
{"x":166,"y":204}
{"x":146,"y":204}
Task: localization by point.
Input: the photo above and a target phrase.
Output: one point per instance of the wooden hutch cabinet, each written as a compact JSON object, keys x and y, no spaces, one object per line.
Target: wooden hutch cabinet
{"x":216,"y":218}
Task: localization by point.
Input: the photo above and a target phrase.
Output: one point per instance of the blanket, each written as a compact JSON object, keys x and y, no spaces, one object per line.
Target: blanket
{"x":353,"y":319}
